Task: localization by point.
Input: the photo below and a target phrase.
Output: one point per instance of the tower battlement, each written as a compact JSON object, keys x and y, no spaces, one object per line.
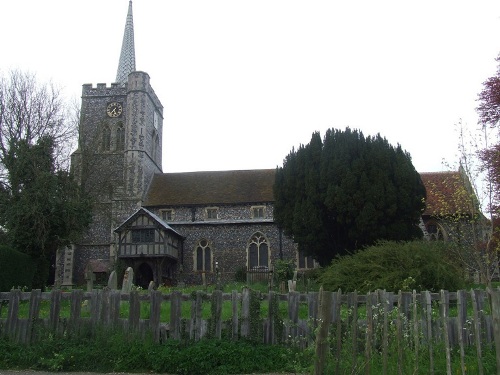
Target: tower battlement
{"x":137,"y":81}
{"x":102,"y":89}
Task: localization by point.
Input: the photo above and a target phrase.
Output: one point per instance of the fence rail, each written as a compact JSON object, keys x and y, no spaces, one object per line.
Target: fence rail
{"x":449,"y":319}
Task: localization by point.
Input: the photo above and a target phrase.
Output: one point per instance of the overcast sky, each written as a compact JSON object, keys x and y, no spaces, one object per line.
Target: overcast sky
{"x":242,"y":82}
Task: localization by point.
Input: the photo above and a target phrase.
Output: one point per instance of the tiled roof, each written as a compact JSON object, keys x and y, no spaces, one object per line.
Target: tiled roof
{"x":99,"y":265}
{"x":211,"y":188}
{"x":447,"y":193}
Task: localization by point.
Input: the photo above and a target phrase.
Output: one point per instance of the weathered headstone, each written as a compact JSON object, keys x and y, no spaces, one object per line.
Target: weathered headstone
{"x":113,"y":281}
{"x":90,"y":277}
{"x":292,"y":284}
{"x":151,"y":286}
{"x":128,"y":279}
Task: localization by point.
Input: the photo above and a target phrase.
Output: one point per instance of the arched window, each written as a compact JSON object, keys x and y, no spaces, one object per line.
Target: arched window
{"x":106,"y":138}
{"x":258,"y":251}
{"x":435,"y":231}
{"x":120,"y":137}
{"x":203,"y":257}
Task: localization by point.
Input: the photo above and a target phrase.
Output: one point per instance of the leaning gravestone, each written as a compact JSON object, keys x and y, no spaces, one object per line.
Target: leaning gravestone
{"x":113,"y":281}
{"x":128,"y":279}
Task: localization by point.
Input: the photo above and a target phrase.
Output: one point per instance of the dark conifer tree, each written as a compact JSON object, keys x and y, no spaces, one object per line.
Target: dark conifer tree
{"x":345,"y":192}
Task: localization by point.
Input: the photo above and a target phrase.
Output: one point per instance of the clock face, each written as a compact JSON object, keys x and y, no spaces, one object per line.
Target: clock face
{"x":114,"y":109}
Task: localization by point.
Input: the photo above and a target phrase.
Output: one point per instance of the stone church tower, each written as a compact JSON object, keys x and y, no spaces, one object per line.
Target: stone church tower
{"x":119,"y":150}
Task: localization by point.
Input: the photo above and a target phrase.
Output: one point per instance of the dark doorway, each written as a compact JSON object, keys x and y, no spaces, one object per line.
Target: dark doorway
{"x":144,"y":275}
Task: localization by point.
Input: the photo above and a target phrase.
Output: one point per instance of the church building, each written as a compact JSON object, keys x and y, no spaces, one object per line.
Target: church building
{"x":168,"y":227}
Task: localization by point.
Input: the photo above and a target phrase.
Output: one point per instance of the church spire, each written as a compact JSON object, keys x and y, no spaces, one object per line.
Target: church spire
{"x":127,"y":55}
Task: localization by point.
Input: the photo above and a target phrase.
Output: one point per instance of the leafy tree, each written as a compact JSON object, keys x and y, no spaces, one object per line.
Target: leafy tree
{"x":41,"y":206}
{"x":394,"y":266}
{"x":489,"y":100}
{"x":346,"y":192}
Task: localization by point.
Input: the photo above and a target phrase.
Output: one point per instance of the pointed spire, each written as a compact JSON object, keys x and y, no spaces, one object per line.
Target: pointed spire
{"x":127,"y":55}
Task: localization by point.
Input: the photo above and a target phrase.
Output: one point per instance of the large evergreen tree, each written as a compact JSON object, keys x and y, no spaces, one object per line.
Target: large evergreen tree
{"x":347,"y":191}
{"x":41,"y":208}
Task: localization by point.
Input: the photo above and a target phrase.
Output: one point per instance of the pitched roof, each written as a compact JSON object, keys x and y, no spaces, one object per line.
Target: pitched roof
{"x":211,"y":188}
{"x":448,"y":193}
{"x":145,"y":211}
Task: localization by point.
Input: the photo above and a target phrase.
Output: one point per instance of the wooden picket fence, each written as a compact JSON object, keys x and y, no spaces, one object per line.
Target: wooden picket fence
{"x":452,"y":320}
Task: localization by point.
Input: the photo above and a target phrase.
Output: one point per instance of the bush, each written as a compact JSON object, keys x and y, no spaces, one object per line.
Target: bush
{"x":16,"y":269}
{"x":283,"y":270}
{"x":241,"y":274}
{"x":394,"y":266}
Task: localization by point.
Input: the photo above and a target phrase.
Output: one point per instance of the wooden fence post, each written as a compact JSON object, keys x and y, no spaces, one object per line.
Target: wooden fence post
{"x":12,"y":323}
{"x":245,"y":312}
{"x":36,"y":296}
{"x":55,"y":309}
{"x":477,"y":331}
{"x":155,"y":298}
{"x":217,"y":313}
{"x":444,"y":300}
{"x":322,"y":345}
{"x":495,"y":312}
{"x":175,"y":315}
{"x":234,"y":321}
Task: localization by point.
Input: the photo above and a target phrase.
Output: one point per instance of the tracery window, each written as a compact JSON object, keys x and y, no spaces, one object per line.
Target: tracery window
{"x":258,"y":251}
{"x":203,"y":256}
{"x":435,"y":231}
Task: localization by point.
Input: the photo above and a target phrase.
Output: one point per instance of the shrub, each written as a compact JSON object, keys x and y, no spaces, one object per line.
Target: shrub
{"x":283,"y":270}
{"x":394,"y":266}
{"x":16,"y":269}
{"x":241,"y":274}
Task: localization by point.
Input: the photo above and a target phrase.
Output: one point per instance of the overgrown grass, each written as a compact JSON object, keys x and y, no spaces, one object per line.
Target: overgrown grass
{"x":118,"y":352}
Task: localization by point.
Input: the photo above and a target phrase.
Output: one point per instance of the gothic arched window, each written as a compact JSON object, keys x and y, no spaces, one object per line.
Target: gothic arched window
{"x":436,"y":231}
{"x":258,"y":251}
{"x":120,"y":137}
{"x":106,"y":138}
{"x":203,"y":256}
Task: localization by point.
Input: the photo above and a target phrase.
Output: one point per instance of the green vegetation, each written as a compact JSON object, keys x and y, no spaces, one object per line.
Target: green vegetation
{"x":394,"y":266}
{"x":16,"y":269}
{"x":41,"y":206}
{"x":339,"y":194}
{"x":117,"y":352}
{"x":124,"y":353}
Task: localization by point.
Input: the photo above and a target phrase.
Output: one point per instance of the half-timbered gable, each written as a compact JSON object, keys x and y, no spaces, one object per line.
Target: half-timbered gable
{"x":145,"y":234}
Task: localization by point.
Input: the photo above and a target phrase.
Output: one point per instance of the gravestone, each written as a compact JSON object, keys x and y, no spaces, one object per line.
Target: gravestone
{"x":90,"y":277}
{"x":113,"y":281}
{"x":128,"y":279}
{"x":292,"y":284}
{"x":151,"y":286}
